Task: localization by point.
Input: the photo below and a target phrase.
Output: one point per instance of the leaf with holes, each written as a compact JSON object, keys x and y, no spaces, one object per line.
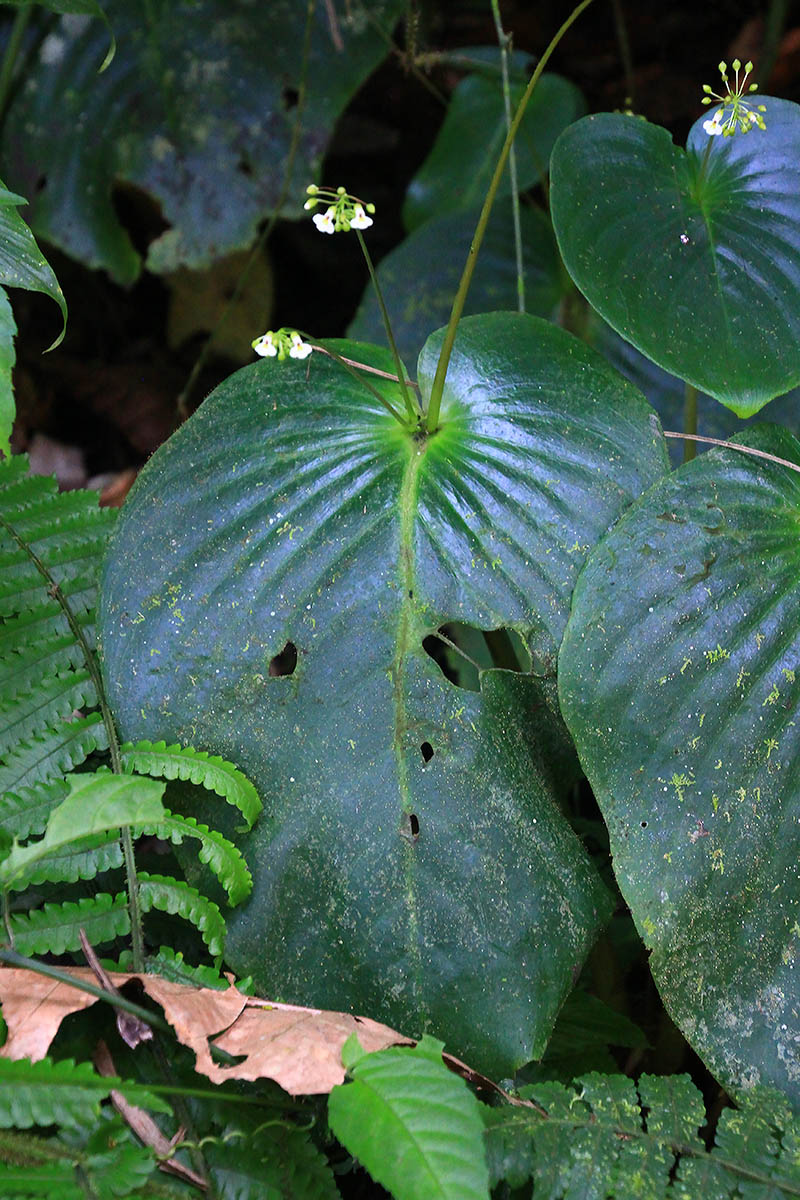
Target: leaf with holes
{"x":679,"y":678}
{"x":702,"y":273}
{"x":196,"y":111}
{"x":411,"y":861}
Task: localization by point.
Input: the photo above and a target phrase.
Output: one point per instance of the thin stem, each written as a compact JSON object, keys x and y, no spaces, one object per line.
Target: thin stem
{"x":352,"y":370}
{"x":504,"y":42}
{"x":18,"y":27}
{"x":182,"y":402}
{"x":689,"y":421}
{"x":773,"y":31}
{"x":709,"y":441}
{"x":483,"y":220}
{"x":624,"y":44}
{"x":453,"y":646}
{"x":411,"y":409}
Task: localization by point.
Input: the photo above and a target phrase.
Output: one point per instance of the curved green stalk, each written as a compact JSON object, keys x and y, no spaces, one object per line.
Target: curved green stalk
{"x":412,"y":411}
{"x":483,"y":220}
{"x":23,"y":16}
{"x":504,"y":42}
{"x":689,"y":421}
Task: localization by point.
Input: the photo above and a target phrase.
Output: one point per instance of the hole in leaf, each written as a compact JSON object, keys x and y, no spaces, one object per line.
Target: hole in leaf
{"x":290,"y":97}
{"x":285,"y":661}
{"x":426,"y":750}
{"x":244,"y":168}
{"x":461,"y":651}
{"x":414,"y":824}
{"x":643,"y":824}
{"x":409,"y":827}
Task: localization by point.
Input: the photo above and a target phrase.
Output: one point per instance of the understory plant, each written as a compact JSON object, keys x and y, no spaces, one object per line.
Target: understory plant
{"x":416,"y":610}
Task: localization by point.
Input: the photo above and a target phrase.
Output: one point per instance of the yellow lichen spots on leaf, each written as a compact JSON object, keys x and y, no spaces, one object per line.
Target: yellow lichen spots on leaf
{"x":718,"y":765}
{"x":759,"y":639}
{"x":740,"y":678}
{"x":664,"y":679}
{"x":718,"y":654}
{"x":687,"y":662}
{"x":694,"y":742}
{"x":771,"y":744}
{"x":702,"y":718}
{"x":718,"y":860}
{"x":351,"y":743}
{"x":668,"y":856}
{"x":714,"y":801}
{"x":648,"y":926}
{"x":680,"y":782}
{"x":773,"y":697}
{"x":788,"y":673}
{"x":495,"y":563}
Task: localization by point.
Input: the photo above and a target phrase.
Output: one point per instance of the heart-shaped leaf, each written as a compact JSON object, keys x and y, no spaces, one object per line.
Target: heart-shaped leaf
{"x":420,"y":276}
{"x":702,"y":271}
{"x":195,"y":110}
{"x":679,"y":677}
{"x":459,"y":167}
{"x":273,"y":577}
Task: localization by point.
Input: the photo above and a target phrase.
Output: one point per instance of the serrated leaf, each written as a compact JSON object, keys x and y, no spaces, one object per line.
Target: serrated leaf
{"x":178,"y":898}
{"x":332,"y":530}
{"x":679,"y":677}
{"x":82,"y":859}
{"x":279,"y":1162}
{"x":53,"y":754}
{"x":711,"y":246}
{"x":207,"y":770}
{"x":48,"y":1093}
{"x":55,"y":928}
{"x":219,"y":855}
{"x":413,"y":1124}
{"x":193,"y":111}
{"x":26,"y":813}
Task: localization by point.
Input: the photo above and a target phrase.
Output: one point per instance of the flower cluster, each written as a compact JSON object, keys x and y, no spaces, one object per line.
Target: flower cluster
{"x":280,"y":343}
{"x":342,"y":211}
{"x":736,"y":112}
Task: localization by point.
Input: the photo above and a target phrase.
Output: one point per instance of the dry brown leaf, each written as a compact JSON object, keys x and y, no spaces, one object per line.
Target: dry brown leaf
{"x":299,"y":1048}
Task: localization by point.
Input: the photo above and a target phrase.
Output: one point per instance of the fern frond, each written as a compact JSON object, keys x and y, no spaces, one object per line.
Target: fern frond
{"x":26,"y":662}
{"x":82,"y":859}
{"x":47,"y":705}
{"x":198,"y":766}
{"x":169,"y":964}
{"x":55,"y":928}
{"x":25,"y":813}
{"x":60,"y":1093}
{"x":220,"y":855}
{"x":53,"y":754}
{"x":178,"y":898}
{"x":606,"y":1137}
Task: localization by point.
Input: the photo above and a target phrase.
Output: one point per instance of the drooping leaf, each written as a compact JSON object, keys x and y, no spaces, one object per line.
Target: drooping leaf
{"x":297,"y":515}
{"x":22,"y":263}
{"x":218,"y":854}
{"x":457,"y":171}
{"x":97,"y":802}
{"x":195,"y":110}
{"x":702,"y":273}
{"x":420,"y":276}
{"x":208,"y":770}
{"x":176,"y":897}
{"x":412,"y":1123}
{"x":679,"y":677}
{"x":74,"y":8}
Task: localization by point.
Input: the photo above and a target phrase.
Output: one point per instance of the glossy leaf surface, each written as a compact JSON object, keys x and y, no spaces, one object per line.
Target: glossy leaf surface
{"x":458,"y":169}
{"x":420,"y":276}
{"x":410,"y":862}
{"x":679,"y":679}
{"x":195,"y":110}
{"x":702,"y":273}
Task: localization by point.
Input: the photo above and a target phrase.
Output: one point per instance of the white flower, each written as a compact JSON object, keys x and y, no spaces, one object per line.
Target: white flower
{"x":714,"y":125}
{"x":300,"y":349}
{"x":265,"y":345}
{"x":359,"y":219}
{"x":324,"y":221}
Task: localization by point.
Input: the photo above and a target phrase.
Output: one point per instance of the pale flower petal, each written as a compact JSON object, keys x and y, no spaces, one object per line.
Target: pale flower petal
{"x":300,"y":349}
{"x":360,"y":220}
{"x":714,"y":125}
{"x":324,"y":221}
{"x":265,"y":346}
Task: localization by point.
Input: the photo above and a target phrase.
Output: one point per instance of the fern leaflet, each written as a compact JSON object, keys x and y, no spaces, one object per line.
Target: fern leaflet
{"x":55,"y":928}
{"x":60,"y":1093}
{"x":172,"y":896}
{"x":220,"y":855}
{"x":183,"y":762}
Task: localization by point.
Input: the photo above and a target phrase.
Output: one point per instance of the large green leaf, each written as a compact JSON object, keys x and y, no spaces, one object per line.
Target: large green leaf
{"x":457,"y":171}
{"x":196,"y":110}
{"x":411,"y":861}
{"x":420,"y":276}
{"x":702,"y":272}
{"x":679,"y":679}
{"x":411,"y":1122}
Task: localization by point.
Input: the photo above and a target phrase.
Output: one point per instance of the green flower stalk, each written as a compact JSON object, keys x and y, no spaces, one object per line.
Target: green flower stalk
{"x":736,"y":113}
